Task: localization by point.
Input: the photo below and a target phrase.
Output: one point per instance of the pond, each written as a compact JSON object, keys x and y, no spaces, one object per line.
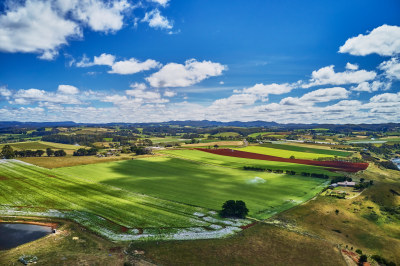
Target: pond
{"x":396,"y":162}
{"x":14,"y":234}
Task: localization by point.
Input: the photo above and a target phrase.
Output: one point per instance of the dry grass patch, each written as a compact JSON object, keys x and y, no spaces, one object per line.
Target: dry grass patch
{"x":259,"y":245}
{"x":219,"y":143}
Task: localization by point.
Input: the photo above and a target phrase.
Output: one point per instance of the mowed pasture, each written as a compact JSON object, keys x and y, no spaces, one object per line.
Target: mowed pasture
{"x":201,"y":184}
{"x":238,"y":163}
{"x":283,"y":153}
{"x":306,"y":149}
{"x":212,"y":143}
{"x":40,"y":145}
{"x":29,"y":187}
{"x":330,"y":165}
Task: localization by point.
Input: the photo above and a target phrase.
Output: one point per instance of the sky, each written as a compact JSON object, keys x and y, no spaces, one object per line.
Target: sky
{"x":101,"y":61}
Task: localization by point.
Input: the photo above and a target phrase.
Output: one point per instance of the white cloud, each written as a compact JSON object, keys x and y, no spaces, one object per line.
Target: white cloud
{"x":33,"y":95}
{"x":327,"y":75}
{"x":384,"y":40}
{"x":350,"y":66}
{"x":160,"y":2}
{"x":391,"y":68}
{"x":386,"y":97}
{"x":4,"y":92}
{"x":138,"y":86}
{"x":156,"y":20}
{"x":35,"y":27}
{"x":178,"y":75}
{"x":40,"y":26}
{"x":67,"y":89}
{"x":264,"y":90}
{"x":168,"y":93}
{"x":235,"y":101}
{"x":133,"y":66}
{"x":99,"y":15}
{"x":125,"y":67}
{"x":371,"y":87}
{"x":104,"y":59}
{"x":317,"y":96}
{"x":326,"y":95}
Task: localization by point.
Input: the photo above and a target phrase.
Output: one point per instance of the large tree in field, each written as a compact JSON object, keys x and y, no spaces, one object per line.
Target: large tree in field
{"x":49,"y":152}
{"x":7,"y":152}
{"x":235,"y":209}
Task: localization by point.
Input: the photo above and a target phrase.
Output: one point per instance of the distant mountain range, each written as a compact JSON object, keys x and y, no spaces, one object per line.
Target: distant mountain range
{"x":206,"y":123}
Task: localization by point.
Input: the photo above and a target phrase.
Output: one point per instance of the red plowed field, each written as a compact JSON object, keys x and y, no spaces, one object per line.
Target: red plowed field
{"x":333,"y":165}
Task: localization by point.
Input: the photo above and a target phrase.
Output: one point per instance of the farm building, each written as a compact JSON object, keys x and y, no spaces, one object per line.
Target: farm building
{"x":346,"y":184}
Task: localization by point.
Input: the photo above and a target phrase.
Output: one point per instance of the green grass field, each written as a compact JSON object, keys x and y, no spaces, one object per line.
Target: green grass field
{"x":202,"y":185}
{"x":227,"y":134}
{"x":40,"y":145}
{"x":28,"y":186}
{"x":166,"y":139}
{"x":239,"y":163}
{"x":254,"y":135}
{"x":304,"y":149}
{"x":282,"y":153}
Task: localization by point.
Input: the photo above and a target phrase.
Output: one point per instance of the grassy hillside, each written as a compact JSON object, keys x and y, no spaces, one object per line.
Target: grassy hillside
{"x":30,"y":187}
{"x":40,"y":145}
{"x":303,"y":148}
{"x":239,"y":163}
{"x":202,"y":185}
{"x":362,"y":222}
{"x":282,"y":152}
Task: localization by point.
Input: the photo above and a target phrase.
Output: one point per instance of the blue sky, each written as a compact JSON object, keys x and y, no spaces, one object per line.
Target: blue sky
{"x":160,"y":60}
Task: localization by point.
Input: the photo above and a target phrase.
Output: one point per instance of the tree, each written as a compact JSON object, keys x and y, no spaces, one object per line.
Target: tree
{"x":39,"y":153}
{"x":236,"y":209}
{"x":49,"y":152}
{"x":362,"y":259}
{"x":60,"y":153}
{"x":7,"y":152}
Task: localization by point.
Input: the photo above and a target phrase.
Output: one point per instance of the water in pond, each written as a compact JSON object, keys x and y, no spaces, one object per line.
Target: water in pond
{"x":13,"y":235}
{"x":396,"y":162}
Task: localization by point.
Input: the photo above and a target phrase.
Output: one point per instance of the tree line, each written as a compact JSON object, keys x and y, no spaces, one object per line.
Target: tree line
{"x":8,"y":152}
{"x":289,"y":172}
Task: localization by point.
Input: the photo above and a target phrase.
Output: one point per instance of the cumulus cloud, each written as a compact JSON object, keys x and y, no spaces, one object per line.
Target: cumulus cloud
{"x":386,"y":97}
{"x":327,"y":75}
{"x":67,"y":89}
{"x":104,"y":59}
{"x":235,"y":101}
{"x":384,"y":40}
{"x":391,"y":68}
{"x":372,"y":87}
{"x":326,"y":95}
{"x":156,"y":20}
{"x":169,"y":93}
{"x":124,"y":67}
{"x":42,"y":27}
{"x":160,"y":2}
{"x":317,"y":96}
{"x":35,"y":27}
{"x":350,"y":66}
{"x":178,"y":75}
{"x":133,"y":66}
{"x":4,"y":92}
{"x":98,"y":15}
{"x":64,"y":95}
{"x":264,"y":90}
